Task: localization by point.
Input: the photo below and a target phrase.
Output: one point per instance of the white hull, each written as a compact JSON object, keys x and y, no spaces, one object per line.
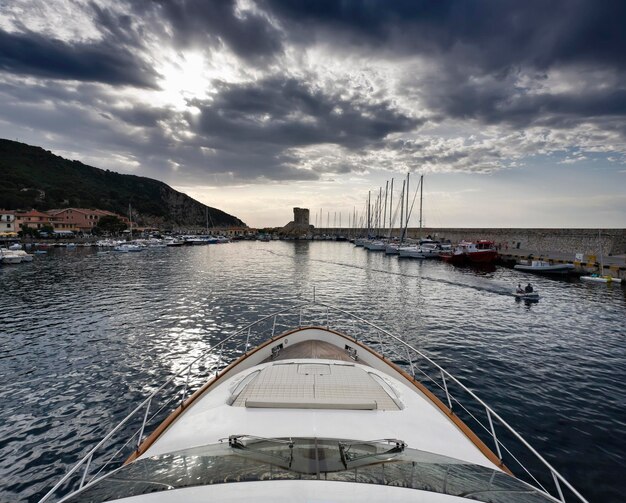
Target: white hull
{"x":411,"y":252}
{"x":10,"y":259}
{"x":546,"y":269}
{"x":392,"y":250}
{"x":376,"y":246}
{"x":601,"y":279}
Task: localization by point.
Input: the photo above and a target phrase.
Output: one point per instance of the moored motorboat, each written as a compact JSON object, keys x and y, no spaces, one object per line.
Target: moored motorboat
{"x":25,"y":257}
{"x":128,"y":247}
{"x":542,"y":267}
{"x":392,"y":249}
{"x":376,"y":245}
{"x":468,"y":252}
{"x":481,"y":252}
{"x":425,"y":249}
{"x":10,"y":256}
{"x":413,"y":251}
{"x":596,"y":278}
{"x":311,"y":413}
{"x":455,"y":256}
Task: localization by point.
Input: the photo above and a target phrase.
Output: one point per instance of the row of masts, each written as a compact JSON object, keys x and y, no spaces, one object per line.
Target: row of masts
{"x":380,"y":215}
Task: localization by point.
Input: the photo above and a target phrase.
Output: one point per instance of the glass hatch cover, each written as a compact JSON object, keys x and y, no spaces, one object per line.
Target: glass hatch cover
{"x":244,"y":458}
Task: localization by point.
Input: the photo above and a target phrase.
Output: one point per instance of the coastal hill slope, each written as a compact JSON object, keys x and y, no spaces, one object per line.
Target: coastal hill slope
{"x":32,"y":177}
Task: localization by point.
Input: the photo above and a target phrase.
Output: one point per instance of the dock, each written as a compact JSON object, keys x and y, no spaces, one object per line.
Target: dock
{"x":614,"y":265}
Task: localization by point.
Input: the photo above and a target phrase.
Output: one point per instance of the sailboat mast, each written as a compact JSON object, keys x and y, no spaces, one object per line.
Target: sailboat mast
{"x":406,"y":222}
{"x":390,"y":210}
{"x":421,"y":197}
{"x":385,"y":215}
{"x":402,"y":212}
{"x":369,"y":206}
{"x":380,"y":207}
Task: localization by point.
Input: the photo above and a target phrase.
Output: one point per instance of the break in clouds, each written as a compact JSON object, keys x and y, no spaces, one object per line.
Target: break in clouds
{"x":236,"y":92}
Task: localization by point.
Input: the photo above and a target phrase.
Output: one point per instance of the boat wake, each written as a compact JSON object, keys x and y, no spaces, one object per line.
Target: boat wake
{"x":494,"y":288}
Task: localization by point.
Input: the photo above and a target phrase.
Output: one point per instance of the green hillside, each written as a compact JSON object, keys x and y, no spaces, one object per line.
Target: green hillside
{"x":31,"y":177}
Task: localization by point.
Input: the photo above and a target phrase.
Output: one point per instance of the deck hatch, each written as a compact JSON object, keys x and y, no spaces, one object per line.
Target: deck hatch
{"x":315,"y":386}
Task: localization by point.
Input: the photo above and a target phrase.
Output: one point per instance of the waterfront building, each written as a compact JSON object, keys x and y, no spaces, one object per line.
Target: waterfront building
{"x":80,"y":219}
{"x":33,"y":219}
{"x":7,"y":222}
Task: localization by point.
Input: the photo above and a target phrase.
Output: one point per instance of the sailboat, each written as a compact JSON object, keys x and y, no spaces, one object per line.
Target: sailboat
{"x":426,"y":248}
{"x":600,"y":277}
{"x":129,"y":247}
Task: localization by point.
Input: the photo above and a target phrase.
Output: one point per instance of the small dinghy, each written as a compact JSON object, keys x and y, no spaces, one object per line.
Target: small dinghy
{"x":526,"y":296}
{"x":522,"y":294}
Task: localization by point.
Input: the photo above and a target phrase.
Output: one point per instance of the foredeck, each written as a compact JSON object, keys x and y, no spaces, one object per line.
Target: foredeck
{"x":312,"y":349}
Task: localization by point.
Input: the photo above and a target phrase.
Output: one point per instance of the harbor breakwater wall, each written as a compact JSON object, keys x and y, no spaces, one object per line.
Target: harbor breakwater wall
{"x":585,"y":241}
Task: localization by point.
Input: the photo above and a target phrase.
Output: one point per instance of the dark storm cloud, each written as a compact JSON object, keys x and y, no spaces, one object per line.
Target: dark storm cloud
{"x":487,"y":55}
{"x":198,"y":22}
{"x":495,"y":33}
{"x":287,"y":112}
{"x":29,"y":53}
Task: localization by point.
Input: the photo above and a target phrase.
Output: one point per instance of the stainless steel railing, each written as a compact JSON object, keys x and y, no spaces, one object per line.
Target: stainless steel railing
{"x":389,"y":346}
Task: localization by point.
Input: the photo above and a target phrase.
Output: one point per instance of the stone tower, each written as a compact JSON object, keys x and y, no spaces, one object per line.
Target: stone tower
{"x":300,"y":224}
{"x":301,"y":217}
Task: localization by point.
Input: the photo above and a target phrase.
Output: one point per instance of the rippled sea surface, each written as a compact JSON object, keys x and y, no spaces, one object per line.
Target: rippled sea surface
{"x":82,"y":332}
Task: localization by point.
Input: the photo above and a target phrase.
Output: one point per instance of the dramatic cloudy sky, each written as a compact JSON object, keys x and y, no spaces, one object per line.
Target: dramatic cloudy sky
{"x":515,"y":111}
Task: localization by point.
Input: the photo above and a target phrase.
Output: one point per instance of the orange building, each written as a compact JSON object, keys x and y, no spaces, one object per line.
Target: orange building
{"x":33,"y":219}
{"x":80,"y":219}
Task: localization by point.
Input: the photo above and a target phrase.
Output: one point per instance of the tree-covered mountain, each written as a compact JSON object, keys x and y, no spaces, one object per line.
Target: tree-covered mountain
{"x":31,"y":177}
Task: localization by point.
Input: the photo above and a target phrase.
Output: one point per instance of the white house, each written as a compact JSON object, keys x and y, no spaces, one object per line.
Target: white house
{"x":7,"y":222}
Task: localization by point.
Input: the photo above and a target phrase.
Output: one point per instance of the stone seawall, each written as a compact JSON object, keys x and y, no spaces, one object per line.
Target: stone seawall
{"x":585,"y":241}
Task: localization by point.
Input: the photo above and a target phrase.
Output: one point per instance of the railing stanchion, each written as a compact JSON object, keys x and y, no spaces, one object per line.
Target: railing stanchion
{"x":219,"y":360}
{"x":186,"y":384}
{"x":445,"y":387}
{"x":493,"y":432}
{"x":408,"y":355}
{"x":274,"y":326}
{"x":82,"y":480}
{"x":248,"y":340}
{"x":558,"y":486}
{"x":143,"y":424}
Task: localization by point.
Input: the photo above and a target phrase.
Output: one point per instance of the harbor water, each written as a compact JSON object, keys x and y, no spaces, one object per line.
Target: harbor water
{"x":85,"y":334}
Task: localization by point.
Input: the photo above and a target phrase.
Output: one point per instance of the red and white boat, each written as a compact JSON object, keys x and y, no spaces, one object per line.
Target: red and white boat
{"x":467,"y":252}
{"x":481,"y":252}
